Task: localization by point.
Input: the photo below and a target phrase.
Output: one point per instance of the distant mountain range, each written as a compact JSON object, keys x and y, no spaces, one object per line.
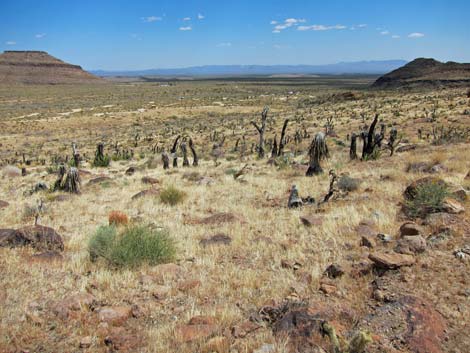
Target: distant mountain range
{"x":342,"y":68}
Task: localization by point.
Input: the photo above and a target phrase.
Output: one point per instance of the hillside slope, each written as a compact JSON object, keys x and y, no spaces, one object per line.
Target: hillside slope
{"x":38,"y":67}
{"x":426,"y":72}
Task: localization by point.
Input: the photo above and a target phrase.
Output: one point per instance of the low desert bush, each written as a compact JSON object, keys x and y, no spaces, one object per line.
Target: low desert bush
{"x":117,"y":218}
{"x":101,"y":161}
{"x":172,"y":196}
{"x":131,"y":246}
{"x":428,"y":198}
{"x":347,"y":183}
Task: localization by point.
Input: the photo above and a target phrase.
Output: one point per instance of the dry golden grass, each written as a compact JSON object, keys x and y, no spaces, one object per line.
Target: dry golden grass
{"x":234,"y":279}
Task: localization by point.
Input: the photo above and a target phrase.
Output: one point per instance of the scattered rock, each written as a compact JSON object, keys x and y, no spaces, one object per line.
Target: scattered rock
{"x":47,"y":256}
{"x":72,"y":303}
{"x":218,"y":218}
{"x":198,"y":328}
{"x":266,"y":348}
{"x":85,"y":342}
{"x":218,"y":239}
{"x":410,"y":191}
{"x":328,"y":288}
{"x":411,"y":244}
{"x":390,"y":261}
{"x":311,"y":220}
{"x":290,"y":264}
{"x":407,"y":324}
{"x":11,"y":171}
{"x":368,"y":241}
{"x":450,"y":205}
{"x":160,"y":292}
{"x":118,"y":339}
{"x":99,"y":180}
{"x":367,"y":228}
{"x":410,"y":228}
{"x":405,"y":148}
{"x":206,"y":181}
{"x":187,"y":285}
{"x":438,"y":168}
{"x":3,"y":204}
{"x":130,"y":171}
{"x":385,"y":238}
{"x":333,"y":271}
{"x":149,"y":180}
{"x":217,"y":344}
{"x":245,"y":328}
{"x":457,"y":192}
{"x":115,"y":315}
{"x":168,"y":272}
{"x":39,"y":237}
{"x":145,"y":193}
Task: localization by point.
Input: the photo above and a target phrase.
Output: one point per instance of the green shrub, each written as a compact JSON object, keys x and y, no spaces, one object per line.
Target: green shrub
{"x":132,"y":246}
{"x":101,"y":161}
{"x":428,"y":198}
{"x":347,"y":183}
{"x":172,"y":196}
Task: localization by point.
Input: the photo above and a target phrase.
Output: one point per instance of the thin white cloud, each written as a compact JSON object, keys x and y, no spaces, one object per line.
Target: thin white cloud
{"x":384,"y":33}
{"x":320,"y":28}
{"x":277,"y":46}
{"x":187,"y":19}
{"x":224,"y":44}
{"x":395,"y":36}
{"x":188,"y":28}
{"x":200,"y":16}
{"x":10,"y":42}
{"x":151,"y":19}
{"x":362,"y":25}
{"x":40,"y":35}
{"x":288,"y":22}
{"x":416,"y":35}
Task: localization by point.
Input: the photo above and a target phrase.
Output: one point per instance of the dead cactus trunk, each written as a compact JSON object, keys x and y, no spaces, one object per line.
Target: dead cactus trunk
{"x":193,"y":151}
{"x":317,"y":152}
{"x":261,"y":130}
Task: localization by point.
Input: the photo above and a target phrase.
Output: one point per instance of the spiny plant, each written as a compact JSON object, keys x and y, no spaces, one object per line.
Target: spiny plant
{"x":317,"y":152}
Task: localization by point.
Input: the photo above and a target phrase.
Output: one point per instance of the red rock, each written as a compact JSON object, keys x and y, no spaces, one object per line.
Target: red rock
{"x":115,"y":315}
{"x":72,"y":303}
{"x":450,"y":205}
{"x":368,"y":241}
{"x":119,"y":339}
{"x":311,"y":220}
{"x":217,"y":239}
{"x":198,"y":328}
{"x":328,"y":288}
{"x":39,"y":237}
{"x":391,"y":261}
{"x":3,"y":204}
{"x":411,"y":244}
{"x":410,"y":228}
{"x":145,"y":193}
{"x":245,"y":328}
{"x":187,"y":285}
{"x":149,"y":180}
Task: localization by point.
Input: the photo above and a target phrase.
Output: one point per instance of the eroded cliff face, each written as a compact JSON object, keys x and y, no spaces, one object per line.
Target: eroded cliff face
{"x":38,"y":67}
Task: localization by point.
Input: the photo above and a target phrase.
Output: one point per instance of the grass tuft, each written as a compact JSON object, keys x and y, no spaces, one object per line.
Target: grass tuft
{"x":172,"y":196}
{"x":132,"y":246}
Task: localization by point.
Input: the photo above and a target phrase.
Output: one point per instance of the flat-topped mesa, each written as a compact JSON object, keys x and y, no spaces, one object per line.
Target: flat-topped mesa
{"x":423,"y":72}
{"x":38,"y":67}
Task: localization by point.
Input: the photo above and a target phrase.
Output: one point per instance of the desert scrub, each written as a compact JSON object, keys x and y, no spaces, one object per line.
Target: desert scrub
{"x":172,"y":196}
{"x":347,"y":183}
{"x":131,"y":246}
{"x":428,"y":198}
{"x":101,"y":161}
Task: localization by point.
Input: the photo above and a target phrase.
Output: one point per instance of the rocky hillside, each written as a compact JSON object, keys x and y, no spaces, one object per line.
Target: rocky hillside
{"x":426,"y":72}
{"x":38,"y":67}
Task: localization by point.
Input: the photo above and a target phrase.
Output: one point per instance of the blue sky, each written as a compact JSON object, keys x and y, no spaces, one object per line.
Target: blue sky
{"x":146,"y":34}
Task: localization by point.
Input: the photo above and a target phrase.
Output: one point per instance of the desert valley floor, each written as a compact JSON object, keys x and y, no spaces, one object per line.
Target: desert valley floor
{"x":248,"y":274}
